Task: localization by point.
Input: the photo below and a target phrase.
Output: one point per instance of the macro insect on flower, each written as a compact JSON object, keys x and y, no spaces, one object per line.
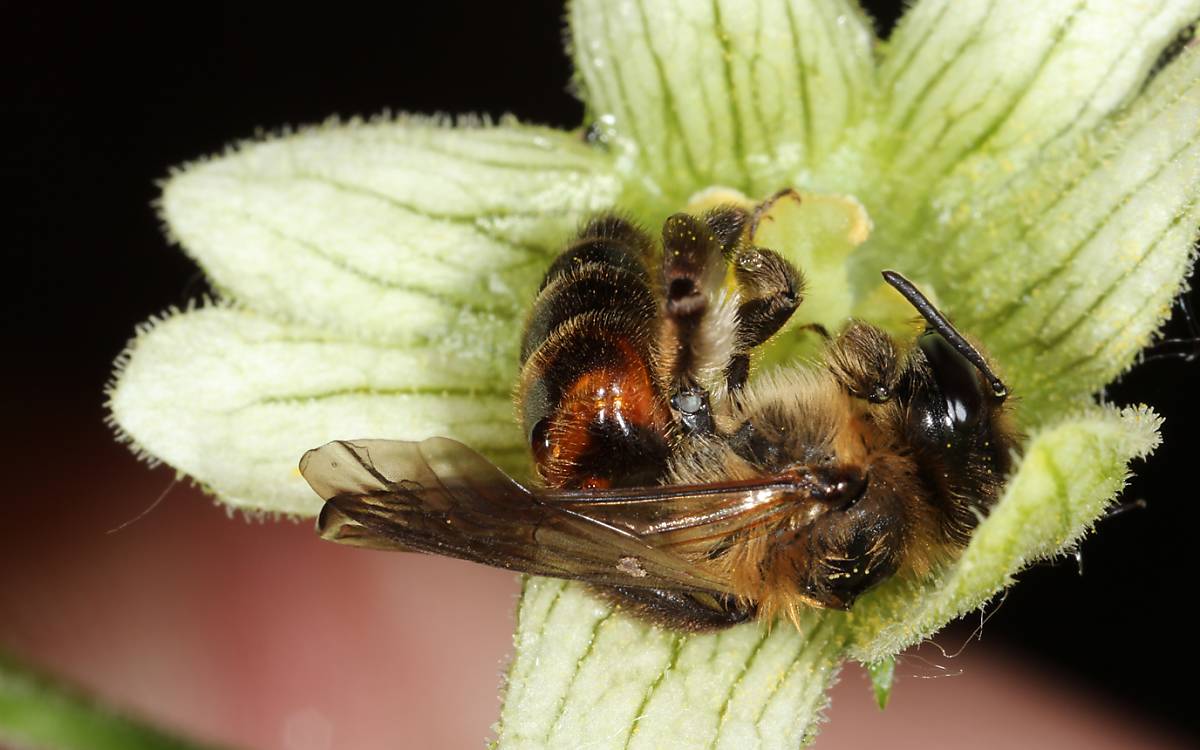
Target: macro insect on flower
{"x":679,"y":487}
{"x":1032,"y":166}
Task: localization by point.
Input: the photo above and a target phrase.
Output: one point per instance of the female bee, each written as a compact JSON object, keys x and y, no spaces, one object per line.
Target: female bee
{"x":675,"y":484}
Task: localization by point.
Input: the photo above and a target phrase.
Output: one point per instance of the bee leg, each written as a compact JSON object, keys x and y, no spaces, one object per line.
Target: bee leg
{"x":864,"y":359}
{"x":693,"y":273}
{"x":818,"y":329}
{"x":771,"y":290}
{"x":728,"y":225}
{"x":679,"y":610}
{"x":695,"y":410}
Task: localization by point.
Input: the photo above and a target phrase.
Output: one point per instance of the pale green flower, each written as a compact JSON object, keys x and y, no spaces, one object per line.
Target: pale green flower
{"x":1012,"y":156}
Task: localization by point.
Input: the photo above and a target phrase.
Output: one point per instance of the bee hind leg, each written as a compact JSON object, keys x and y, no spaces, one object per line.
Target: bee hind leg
{"x":679,"y":610}
{"x":707,"y":342}
{"x":697,"y":328}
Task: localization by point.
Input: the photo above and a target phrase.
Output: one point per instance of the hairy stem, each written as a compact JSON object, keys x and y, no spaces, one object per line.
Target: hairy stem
{"x":36,"y":711}
{"x":587,"y":675}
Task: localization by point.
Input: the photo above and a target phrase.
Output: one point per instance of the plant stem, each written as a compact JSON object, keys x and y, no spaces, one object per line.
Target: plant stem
{"x":587,"y":675}
{"x":36,"y":711}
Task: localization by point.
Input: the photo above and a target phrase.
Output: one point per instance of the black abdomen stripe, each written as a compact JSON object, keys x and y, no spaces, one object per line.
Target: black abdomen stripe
{"x":591,"y":287}
{"x":605,"y":268}
{"x":603,"y":250}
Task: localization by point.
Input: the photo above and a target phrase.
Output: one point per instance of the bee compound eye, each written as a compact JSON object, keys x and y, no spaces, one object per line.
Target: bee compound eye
{"x":961,"y":401}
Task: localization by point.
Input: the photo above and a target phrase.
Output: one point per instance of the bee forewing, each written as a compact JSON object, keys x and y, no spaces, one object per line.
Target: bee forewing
{"x":441,"y":497}
{"x":335,"y":526}
{"x":690,"y":519}
{"x":349,"y":466}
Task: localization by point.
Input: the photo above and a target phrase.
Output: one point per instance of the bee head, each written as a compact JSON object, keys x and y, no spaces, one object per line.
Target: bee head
{"x":955,"y":419}
{"x":850,"y":523}
{"x":849,"y":551}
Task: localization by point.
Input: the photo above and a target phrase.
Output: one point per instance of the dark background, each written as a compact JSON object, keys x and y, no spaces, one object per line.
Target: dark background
{"x":104,"y":102}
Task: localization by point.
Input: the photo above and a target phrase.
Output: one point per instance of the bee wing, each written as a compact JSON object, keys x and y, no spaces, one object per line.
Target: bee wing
{"x":441,"y":497}
{"x":693,"y":520}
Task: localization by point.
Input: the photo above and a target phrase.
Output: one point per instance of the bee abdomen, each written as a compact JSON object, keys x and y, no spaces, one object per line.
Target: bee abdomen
{"x":609,"y":241}
{"x":588,"y":399}
{"x":588,"y":287}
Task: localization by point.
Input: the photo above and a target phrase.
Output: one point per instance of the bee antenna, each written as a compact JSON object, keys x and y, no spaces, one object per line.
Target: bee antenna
{"x":938,"y":322}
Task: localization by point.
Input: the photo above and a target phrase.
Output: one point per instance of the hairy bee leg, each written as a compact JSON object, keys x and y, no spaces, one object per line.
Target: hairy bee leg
{"x":693,"y":272}
{"x":864,"y":359}
{"x":728,"y":225}
{"x":818,"y":329}
{"x":678,"y":610}
{"x":763,"y":208}
{"x":771,"y":289}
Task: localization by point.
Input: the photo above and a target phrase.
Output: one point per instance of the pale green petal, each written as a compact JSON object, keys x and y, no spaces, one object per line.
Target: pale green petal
{"x":1068,"y":476}
{"x":1067,"y":270}
{"x":741,"y":94}
{"x":402,"y":255}
{"x":233,"y":399}
{"x":1005,"y":77}
{"x":588,"y":676}
{"x":390,"y":231}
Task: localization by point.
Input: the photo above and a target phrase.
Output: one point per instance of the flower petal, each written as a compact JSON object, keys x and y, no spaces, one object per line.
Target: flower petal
{"x":390,"y":231}
{"x":1005,"y":77}
{"x":586,"y":674}
{"x":234,"y":399}
{"x":1068,"y":476}
{"x":723,"y":93}
{"x":1066,"y":270}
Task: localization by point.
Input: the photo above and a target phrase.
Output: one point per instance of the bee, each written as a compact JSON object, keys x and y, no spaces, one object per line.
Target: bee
{"x":672,"y":482}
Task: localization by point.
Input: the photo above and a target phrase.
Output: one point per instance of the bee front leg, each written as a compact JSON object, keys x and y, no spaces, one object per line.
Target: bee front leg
{"x":771,"y":289}
{"x":680,"y":610}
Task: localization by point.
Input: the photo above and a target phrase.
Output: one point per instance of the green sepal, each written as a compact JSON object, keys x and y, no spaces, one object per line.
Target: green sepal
{"x":882,"y":674}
